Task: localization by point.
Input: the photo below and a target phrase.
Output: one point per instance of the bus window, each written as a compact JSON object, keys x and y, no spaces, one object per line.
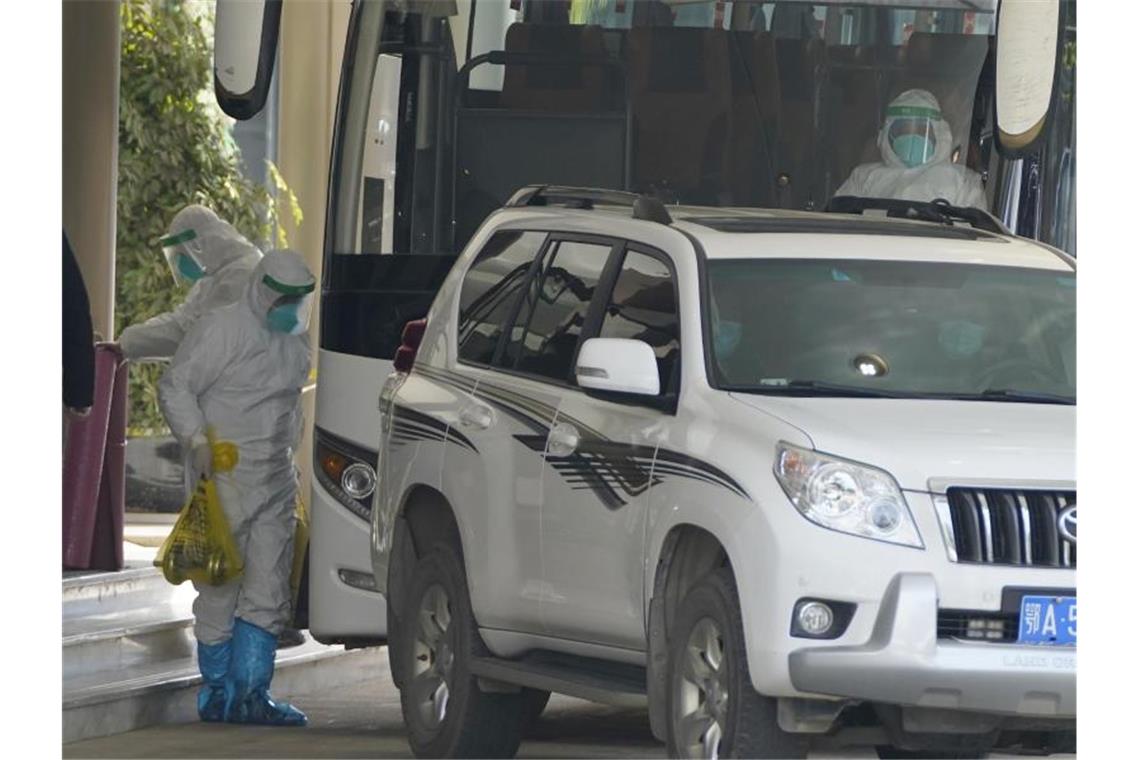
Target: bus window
{"x":379,"y":164}
{"x":610,"y":14}
{"x":940,"y":51}
{"x":699,"y":14}
{"x":716,"y":102}
{"x":488,"y":33}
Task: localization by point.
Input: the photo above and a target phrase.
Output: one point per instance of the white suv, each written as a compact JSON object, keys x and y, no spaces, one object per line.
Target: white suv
{"x":788,"y":478}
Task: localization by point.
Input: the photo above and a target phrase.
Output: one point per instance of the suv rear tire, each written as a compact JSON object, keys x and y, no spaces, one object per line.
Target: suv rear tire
{"x":713,"y":711}
{"x":445,"y":711}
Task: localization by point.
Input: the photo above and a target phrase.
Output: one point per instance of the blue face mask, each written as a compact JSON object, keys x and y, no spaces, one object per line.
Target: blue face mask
{"x":189,"y":268}
{"x":913,"y":150}
{"x":283,"y":318}
{"x":726,"y":337}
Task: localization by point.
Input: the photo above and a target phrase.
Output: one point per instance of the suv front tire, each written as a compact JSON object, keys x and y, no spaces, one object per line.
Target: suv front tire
{"x":713,"y":710}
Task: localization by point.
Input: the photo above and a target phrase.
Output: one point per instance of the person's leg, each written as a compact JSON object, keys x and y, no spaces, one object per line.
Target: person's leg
{"x":264,"y":606}
{"x":213,"y":628}
{"x":214,"y":620}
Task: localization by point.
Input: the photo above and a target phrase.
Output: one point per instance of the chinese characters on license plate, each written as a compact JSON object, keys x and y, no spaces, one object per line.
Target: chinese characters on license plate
{"x":1050,"y":620}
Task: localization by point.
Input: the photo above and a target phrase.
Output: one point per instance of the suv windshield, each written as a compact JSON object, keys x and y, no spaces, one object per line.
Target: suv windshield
{"x":855,"y":327}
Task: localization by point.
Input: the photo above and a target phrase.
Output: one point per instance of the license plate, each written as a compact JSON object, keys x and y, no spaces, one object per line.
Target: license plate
{"x":1049,"y":620}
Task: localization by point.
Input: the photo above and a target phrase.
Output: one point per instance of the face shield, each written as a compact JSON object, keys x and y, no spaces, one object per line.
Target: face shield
{"x":288,"y":307}
{"x":183,"y":252}
{"x":911,"y":133}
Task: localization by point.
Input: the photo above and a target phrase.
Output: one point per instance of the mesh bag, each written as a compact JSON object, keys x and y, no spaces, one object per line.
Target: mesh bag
{"x":201,"y":547}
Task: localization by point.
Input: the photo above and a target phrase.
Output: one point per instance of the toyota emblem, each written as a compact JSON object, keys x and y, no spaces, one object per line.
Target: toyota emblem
{"x":1067,"y":523}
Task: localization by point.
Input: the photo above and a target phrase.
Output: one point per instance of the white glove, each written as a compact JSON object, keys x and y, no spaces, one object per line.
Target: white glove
{"x":202,"y":459}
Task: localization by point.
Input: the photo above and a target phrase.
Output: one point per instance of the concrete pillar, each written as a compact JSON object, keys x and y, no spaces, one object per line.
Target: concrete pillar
{"x":311,"y":46}
{"x":91,"y":147}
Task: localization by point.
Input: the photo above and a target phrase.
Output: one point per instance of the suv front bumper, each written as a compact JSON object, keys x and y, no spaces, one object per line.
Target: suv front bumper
{"x":904,"y":663}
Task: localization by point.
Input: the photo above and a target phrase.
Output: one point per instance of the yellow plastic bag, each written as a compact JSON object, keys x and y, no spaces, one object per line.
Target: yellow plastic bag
{"x":201,"y":547}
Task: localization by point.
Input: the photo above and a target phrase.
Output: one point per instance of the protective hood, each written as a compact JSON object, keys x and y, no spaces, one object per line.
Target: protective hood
{"x":282,"y":286}
{"x":916,"y":101}
{"x":216,"y":244}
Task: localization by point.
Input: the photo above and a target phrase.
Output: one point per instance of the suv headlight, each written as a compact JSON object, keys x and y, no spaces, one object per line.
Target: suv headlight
{"x":845,"y":496}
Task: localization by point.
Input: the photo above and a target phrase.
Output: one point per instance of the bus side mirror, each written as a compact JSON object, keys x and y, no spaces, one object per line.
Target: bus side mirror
{"x":245,"y":47}
{"x":1027,"y":48}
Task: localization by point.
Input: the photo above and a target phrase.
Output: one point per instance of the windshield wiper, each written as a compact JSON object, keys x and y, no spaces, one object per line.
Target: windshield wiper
{"x":1024,"y":397}
{"x":817,"y":388}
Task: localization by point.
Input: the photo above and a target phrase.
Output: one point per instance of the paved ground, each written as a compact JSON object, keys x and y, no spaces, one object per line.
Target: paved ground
{"x":364,"y":721}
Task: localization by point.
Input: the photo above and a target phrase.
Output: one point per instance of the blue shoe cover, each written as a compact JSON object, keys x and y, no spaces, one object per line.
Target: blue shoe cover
{"x":214,"y":664}
{"x":247,"y":686}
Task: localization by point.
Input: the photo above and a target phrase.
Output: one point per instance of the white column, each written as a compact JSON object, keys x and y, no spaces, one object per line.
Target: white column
{"x":91,"y":147}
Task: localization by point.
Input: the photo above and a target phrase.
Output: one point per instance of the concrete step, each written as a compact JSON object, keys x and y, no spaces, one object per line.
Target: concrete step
{"x":102,"y":593}
{"x":149,"y":535}
{"x":120,"y":640}
{"x":97,"y":704}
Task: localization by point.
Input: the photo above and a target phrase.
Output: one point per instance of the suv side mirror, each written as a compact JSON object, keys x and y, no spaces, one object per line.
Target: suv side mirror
{"x":620,"y":365}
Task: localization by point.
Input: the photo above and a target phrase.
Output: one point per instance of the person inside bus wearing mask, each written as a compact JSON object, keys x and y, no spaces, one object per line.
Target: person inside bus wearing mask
{"x":238,"y":374}
{"x":916,"y":145}
{"x":212,"y":257}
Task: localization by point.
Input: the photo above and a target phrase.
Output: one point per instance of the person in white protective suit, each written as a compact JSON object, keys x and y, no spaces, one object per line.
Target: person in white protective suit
{"x":239,"y":373}
{"x":208,"y":253}
{"x":916,"y":144}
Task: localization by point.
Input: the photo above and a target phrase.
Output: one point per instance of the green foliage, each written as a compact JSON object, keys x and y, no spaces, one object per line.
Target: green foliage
{"x":175,"y":148}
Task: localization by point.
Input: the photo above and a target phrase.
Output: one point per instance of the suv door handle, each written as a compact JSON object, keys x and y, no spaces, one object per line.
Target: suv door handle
{"x":476,"y":416}
{"x":563,"y":440}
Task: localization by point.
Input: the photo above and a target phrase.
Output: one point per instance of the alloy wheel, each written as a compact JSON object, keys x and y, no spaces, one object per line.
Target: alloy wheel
{"x":433,"y":657}
{"x":702,"y":697}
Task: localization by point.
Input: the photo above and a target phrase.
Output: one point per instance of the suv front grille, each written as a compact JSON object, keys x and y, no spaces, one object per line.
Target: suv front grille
{"x":1007,"y":527}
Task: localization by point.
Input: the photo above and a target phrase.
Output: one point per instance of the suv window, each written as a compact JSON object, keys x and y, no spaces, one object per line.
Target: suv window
{"x":545,"y":336}
{"x":490,"y":289}
{"x":643,"y":306}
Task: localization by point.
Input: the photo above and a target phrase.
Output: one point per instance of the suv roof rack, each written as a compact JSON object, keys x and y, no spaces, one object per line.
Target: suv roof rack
{"x":938,"y":211}
{"x":644,"y":207}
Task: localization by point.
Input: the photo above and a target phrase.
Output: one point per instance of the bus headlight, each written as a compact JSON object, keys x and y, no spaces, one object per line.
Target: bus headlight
{"x":346,"y":471}
{"x":358,"y":480}
{"x":845,"y":496}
